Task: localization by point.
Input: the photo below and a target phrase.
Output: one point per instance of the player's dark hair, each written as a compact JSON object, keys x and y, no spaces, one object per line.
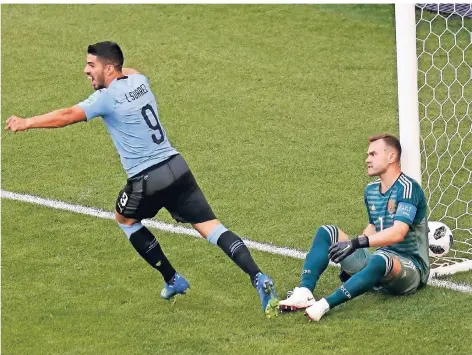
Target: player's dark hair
{"x":108,"y":51}
{"x":389,"y":140}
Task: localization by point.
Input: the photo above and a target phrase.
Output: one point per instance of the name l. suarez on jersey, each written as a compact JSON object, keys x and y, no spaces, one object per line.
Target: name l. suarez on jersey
{"x":136,"y":93}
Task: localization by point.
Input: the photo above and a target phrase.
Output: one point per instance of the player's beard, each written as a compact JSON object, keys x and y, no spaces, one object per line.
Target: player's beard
{"x":98,"y":82}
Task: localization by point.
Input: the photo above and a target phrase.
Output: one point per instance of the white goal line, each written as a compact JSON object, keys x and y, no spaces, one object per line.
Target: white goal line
{"x":167,"y":227}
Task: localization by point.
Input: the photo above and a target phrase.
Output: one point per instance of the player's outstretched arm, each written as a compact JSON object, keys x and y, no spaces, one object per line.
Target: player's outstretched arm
{"x":55,"y":119}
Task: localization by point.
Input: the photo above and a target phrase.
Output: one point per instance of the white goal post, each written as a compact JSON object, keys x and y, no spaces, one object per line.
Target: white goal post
{"x":434,"y":73}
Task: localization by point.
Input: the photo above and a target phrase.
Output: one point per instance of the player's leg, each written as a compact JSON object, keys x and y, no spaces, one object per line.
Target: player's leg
{"x":403,"y":279}
{"x":315,"y":264}
{"x":378,"y":267}
{"x":235,"y":248}
{"x":187,"y":204}
{"x":134,"y":203}
{"x":150,"y":250}
{"x":192,"y":207}
{"x":231,"y":244}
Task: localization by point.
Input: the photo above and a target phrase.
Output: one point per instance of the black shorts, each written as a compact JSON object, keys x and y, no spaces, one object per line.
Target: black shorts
{"x":169,"y":184}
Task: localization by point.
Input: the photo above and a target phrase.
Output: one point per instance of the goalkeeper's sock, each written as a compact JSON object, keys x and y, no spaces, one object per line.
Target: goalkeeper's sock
{"x":360,"y":282}
{"x":234,"y":247}
{"x":150,"y":250}
{"x":317,"y":259}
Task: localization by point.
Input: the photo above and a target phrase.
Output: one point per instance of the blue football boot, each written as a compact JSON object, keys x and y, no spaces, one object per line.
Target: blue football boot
{"x":268,"y":295}
{"x":178,"y":285}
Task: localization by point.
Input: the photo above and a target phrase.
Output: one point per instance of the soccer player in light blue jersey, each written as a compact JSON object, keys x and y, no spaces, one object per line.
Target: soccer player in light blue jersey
{"x":397,"y":228}
{"x":158,"y":176}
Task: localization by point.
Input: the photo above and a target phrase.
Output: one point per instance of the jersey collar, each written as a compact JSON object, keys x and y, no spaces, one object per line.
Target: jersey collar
{"x":390,"y":188}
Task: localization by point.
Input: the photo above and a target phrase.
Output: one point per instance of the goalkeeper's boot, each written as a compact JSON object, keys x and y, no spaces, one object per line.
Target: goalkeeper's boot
{"x":317,"y":310}
{"x":300,"y":298}
{"x":268,"y":295}
{"x":178,"y":285}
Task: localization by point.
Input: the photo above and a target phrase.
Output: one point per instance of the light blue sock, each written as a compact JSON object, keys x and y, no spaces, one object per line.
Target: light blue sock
{"x":216,"y":233}
{"x":360,"y":282}
{"x":130,"y":229}
{"x":317,"y":259}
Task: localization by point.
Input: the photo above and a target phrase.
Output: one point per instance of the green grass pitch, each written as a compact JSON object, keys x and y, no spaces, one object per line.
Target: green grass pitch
{"x":271,"y":106}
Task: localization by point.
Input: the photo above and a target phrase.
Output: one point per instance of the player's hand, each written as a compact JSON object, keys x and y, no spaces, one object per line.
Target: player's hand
{"x":16,"y":124}
{"x":340,"y":250}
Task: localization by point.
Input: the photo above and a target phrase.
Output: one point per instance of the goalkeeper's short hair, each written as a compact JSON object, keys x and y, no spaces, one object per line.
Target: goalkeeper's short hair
{"x":389,"y":140}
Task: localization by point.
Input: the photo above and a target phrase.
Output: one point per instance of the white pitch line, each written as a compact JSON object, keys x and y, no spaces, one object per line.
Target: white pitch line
{"x":167,"y":227}
{"x":461,"y":287}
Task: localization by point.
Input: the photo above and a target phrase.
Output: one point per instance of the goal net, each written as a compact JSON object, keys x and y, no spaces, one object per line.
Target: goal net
{"x":444,"y":53}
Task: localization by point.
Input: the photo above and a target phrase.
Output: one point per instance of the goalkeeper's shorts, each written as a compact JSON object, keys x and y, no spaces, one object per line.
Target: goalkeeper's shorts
{"x":406,"y":282}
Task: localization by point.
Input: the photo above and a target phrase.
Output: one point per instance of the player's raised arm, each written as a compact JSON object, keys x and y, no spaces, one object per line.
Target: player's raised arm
{"x":55,"y":119}
{"x":129,"y":71}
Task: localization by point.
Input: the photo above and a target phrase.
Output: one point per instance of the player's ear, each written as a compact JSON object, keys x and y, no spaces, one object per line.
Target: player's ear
{"x":109,"y":68}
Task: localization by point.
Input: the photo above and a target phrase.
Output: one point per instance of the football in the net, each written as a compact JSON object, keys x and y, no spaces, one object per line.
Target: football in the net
{"x":440,"y":239}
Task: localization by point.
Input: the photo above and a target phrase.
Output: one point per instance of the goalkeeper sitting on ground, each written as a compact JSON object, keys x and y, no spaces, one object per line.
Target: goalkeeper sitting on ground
{"x":397,"y":227}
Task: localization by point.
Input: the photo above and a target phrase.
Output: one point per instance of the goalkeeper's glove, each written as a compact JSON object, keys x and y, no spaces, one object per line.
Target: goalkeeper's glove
{"x":338,"y":251}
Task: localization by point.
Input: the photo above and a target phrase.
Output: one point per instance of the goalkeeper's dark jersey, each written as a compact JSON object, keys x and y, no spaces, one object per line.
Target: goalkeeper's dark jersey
{"x":404,"y":201}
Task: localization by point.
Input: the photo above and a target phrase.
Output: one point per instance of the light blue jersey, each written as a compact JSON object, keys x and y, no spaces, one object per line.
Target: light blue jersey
{"x":130,"y":113}
{"x":403,"y":201}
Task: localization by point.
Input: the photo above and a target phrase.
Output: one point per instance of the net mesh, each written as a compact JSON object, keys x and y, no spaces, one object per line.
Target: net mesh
{"x":444,"y":49}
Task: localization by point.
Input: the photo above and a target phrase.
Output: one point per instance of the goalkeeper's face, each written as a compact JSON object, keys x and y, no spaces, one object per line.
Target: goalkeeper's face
{"x":95,"y":71}
{"x":379,"y":158}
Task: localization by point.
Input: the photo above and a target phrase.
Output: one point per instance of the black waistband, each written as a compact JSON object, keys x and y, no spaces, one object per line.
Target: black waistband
{"x":151,"y":168}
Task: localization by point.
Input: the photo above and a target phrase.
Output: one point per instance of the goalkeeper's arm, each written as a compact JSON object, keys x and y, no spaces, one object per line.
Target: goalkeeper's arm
{"x":388,"y":236}
{"x":369,"y":230}
{"x":392,"y":235}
